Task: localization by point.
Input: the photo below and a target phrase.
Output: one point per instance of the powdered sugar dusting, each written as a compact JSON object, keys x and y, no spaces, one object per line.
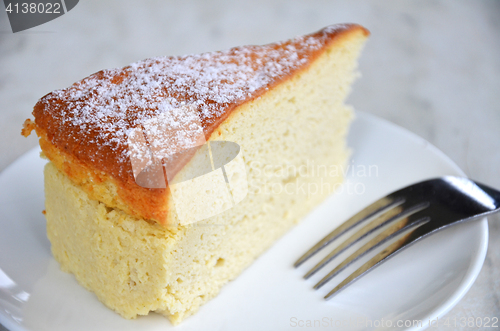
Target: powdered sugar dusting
{"x":97,"y":113}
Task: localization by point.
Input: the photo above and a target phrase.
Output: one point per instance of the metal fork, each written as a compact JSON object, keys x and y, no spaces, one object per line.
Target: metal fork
{"x":418,"y":211}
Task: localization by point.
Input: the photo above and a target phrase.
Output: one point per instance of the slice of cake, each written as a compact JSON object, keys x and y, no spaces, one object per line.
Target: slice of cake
{"x":168,"y":177}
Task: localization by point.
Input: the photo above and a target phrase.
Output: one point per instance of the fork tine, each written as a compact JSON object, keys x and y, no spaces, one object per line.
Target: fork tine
{"x":378,"y":259}
{"x":389,"y":216}
{"x":405,"y":224}
{"x":378,"y":207}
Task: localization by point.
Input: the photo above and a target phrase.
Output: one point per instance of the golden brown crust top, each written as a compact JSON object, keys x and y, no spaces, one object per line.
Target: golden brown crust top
{"x":91,"y":119}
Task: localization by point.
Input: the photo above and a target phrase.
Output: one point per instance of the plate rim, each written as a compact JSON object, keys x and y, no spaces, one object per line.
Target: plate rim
{"x":474,"y":270}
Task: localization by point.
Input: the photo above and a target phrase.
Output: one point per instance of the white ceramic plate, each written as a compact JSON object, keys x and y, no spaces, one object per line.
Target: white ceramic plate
{"x":422,"y":283}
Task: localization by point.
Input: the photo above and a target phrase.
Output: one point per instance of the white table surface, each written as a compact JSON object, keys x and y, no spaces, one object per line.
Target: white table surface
{"x":432,"y":67}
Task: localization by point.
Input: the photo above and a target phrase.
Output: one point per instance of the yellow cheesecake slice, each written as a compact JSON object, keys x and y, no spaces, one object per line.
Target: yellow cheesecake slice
{"x":167,"y":243}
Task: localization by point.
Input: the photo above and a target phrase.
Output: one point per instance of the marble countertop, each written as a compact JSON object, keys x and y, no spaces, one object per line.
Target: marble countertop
{"x":432,"y":67}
